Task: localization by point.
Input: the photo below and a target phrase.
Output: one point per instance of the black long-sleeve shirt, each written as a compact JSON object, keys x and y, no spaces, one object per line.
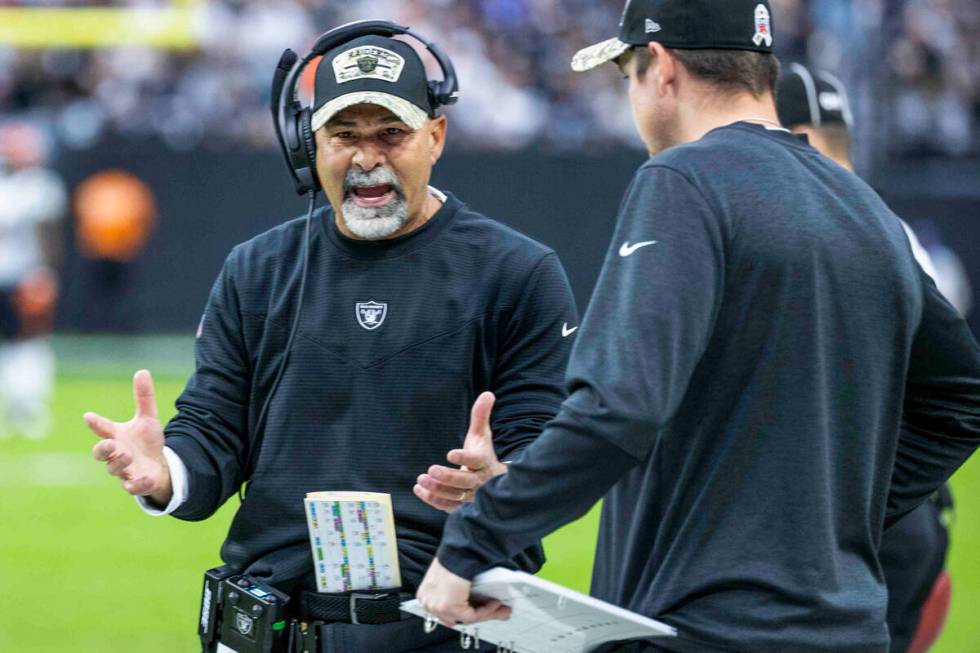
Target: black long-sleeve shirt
{"x":739,"y":385}
{"x":372,"y":395}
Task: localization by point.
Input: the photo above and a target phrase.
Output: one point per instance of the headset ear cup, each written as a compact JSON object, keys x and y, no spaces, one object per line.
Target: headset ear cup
{"x":441,"y":93}
{"x":309,"y":145}
{"x":435,"y":96}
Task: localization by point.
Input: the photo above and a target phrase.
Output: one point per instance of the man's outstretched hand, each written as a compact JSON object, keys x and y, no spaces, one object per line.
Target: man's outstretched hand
{"x":133,"y":450}
{"x":447,"y":488}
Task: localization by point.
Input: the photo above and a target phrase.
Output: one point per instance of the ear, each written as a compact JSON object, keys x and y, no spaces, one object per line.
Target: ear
{"x":437,"y":137}
{"x":666,"y":65}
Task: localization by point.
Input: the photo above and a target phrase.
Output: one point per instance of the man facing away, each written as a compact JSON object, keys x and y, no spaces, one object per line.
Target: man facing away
{"x":763,"y":380}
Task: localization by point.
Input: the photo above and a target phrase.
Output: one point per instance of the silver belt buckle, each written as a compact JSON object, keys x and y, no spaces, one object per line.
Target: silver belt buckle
{"x":354,"y":597}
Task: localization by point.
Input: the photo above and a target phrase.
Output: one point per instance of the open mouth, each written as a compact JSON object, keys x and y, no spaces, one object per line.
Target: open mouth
{"x":372,"y":196}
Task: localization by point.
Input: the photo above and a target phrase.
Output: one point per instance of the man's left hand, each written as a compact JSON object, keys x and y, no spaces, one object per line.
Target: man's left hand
{"x":446,"y":597}
{"x":447,"y":488}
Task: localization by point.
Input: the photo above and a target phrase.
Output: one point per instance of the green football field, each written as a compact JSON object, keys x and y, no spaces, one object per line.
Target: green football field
{"x":83,"y":569}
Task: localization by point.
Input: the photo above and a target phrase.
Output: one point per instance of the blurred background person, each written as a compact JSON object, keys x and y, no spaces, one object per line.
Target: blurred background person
{"x":32,"y":201}
{"x":114,"y":215}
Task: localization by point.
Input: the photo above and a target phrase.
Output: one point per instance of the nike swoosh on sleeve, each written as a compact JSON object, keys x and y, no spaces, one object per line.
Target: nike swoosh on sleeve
{"x":626,"y":249}
{"x":565,"y":331}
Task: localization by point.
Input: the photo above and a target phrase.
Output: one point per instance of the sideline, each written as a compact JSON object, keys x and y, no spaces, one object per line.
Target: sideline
{"x":112,"y":355}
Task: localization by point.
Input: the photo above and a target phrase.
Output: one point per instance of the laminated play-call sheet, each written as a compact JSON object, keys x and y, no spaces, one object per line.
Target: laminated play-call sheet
{"x":548,"y":618}
{"x":353,"y":540}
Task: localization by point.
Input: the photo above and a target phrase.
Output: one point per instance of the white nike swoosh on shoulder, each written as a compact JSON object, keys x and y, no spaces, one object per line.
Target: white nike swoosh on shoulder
{"x":626,"y":249}
{"x":565,"y":331}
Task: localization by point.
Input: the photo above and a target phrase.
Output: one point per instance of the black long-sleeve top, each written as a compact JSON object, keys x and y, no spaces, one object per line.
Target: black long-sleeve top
{"x":397,"y":338}
{"x":764,"y":377}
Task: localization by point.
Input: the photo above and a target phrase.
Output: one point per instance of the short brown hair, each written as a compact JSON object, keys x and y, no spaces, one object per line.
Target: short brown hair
{"x":729,"y":70}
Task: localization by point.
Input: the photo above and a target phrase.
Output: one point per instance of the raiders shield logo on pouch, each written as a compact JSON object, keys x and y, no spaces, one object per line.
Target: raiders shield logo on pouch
{"x":371,"y":314}
{"x":243,"y":623}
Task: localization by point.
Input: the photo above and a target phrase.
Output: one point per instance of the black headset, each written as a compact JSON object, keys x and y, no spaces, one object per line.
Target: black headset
{"x":292,"y":120}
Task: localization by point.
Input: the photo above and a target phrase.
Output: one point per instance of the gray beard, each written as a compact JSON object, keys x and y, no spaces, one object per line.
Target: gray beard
{"x":374,"y":223}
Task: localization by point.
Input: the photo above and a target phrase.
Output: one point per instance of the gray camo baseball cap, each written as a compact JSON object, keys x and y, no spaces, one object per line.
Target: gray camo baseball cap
{"x":685,"y":24}
{"x":372,"y":70}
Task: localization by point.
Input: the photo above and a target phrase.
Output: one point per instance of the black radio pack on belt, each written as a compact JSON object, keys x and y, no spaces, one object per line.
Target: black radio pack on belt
{"x":242,"y":614}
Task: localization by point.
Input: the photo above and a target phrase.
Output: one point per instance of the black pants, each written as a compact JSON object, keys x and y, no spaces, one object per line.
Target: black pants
{"x":406,"y":636}
{"x":912,"y":554}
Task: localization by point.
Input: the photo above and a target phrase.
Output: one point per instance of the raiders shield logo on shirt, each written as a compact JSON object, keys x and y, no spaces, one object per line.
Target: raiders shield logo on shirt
{"x":371,"y":314}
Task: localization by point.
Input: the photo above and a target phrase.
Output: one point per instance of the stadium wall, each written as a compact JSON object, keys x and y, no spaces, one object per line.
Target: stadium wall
{"x":209,"y":201}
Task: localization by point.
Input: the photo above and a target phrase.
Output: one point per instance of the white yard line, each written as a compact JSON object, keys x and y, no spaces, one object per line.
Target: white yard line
{"x":50,"y":470}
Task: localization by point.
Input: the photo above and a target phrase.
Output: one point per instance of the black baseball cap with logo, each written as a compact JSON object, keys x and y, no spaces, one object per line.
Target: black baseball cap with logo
{"x":685,"y":24}
{"x":813,"y":99}
{"x":372,"y":70}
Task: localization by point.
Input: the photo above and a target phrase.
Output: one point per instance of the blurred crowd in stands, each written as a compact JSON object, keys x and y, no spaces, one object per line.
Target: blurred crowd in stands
{"x":916,"y":61}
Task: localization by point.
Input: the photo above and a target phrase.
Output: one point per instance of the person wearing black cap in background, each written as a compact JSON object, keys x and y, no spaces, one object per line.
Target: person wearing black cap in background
{"x":913,"y":551}
{"x":416,"y":305}
{"x":736,"y":389}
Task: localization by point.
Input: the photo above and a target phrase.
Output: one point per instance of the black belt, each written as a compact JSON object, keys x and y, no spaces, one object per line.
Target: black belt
{"x":353,"y":607}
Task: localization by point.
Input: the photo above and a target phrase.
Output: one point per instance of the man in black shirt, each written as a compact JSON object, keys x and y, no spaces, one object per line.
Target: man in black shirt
{"x":736,"y":389}
{"x":415,"y":306}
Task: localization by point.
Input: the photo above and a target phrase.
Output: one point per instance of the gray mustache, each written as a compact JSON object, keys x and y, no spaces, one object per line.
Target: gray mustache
{"x":376,"y":177}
